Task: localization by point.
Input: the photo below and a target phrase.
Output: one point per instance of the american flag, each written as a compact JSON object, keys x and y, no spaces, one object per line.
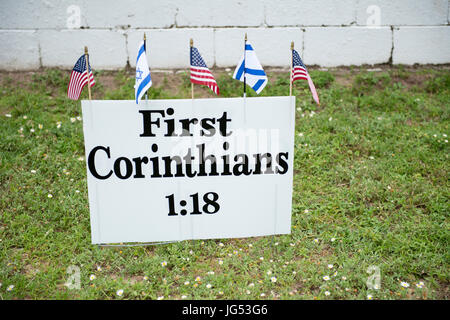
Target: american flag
{"x":200,"y":73}
{"x":299,"y":72}
{"x":78,"y":79}
{"x":298,"y":68}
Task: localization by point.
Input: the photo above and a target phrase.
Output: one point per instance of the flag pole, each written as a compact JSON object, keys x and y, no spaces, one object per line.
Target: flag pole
{"x":145,"y":50}
{"x":190,"y":55}
{"x":87,"y":69}
{"x":245,"y":84}
{"x":290,"y":79}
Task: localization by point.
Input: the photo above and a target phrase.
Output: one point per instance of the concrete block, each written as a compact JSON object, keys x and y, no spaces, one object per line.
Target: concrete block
{"x":421,"y":45}
{"x":335,"y":46}
{"x":402,"y":12}
{"x":49,"y":14}
{"x":20,"y":50}
{"x":310,"y":12}
{"x":272,"y":45}
{"x":170,"y":48}
{"x":131,"y":14}
{"x":220,"y":13}
{"x":107,"y":48}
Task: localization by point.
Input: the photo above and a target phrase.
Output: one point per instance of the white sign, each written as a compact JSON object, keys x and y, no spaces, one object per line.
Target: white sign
{"x":189,"y":169}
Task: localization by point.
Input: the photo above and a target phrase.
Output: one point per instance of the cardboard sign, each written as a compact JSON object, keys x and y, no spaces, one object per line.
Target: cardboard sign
{"x":169,"y":170}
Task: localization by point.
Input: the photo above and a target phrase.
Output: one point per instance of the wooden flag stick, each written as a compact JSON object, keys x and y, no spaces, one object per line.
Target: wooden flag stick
{"x":245,"y":84}
{"x":190,"y":54}
{"x":87,"y":69}
{"x":290,"y":77}
{"x":145,"y":50}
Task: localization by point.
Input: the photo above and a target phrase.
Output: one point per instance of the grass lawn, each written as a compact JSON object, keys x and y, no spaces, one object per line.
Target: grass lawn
{"x":371,"y":192}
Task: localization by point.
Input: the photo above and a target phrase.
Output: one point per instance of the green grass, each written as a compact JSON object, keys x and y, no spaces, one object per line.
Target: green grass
{"x":371,"y":188}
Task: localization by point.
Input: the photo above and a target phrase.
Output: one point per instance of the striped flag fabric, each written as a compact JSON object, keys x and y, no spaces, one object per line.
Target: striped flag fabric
{"x":143,"y":78}
{"x":299,"y":72}
{"x":250,"y":68}
{"x":200,"y":73}
{"x":78,"y":79}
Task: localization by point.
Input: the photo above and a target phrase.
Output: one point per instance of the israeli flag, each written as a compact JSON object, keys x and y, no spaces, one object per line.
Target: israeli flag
{"x":250,"y":67}
{"x":143,"y":79}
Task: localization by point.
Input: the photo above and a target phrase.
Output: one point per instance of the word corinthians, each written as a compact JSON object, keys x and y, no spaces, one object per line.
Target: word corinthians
{"x":189,"y":165}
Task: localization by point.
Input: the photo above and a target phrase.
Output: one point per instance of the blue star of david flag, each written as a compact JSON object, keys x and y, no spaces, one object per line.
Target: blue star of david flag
{"x":143,"y":78}
{"x":250,"y":67}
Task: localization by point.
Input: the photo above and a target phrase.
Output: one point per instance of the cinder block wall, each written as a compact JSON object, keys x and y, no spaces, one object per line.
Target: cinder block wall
{"x":52,"y":33}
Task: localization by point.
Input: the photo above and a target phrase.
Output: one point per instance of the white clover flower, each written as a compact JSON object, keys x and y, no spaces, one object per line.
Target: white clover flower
{"x":92,"y":277}
{"x":50,"y":195}
{"x":292,"y":244}
{"x":273,"y":279}
{"x":251,"y":285}
{"x":371,"y":158}
{"x":420,"y":285}
{"x":33,"y":171}
{"x":25,"y":117}
{"x":300,"y":134}
{"x":261,"y":258}
{"x":31,"y":130}
{"x":327,"y":293}
{"x":78,"y":191}
{"x":344,"y":278}
{"x":330,"y":118}
{"x":404,"y":284}
{"x":263,"y":294}
{"x":10,"y":288}
{"x":294,"y":272}
{"x":326,"y":278}
{"x":163,"y":264}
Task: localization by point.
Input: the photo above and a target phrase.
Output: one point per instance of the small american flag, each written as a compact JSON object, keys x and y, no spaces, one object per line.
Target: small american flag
{"x":78,"y":79}
{"x":299,"y":72}
{"x":200,"y":73}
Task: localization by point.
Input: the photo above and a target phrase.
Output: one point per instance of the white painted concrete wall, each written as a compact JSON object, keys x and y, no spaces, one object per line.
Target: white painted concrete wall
{"x":52,"y":33}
